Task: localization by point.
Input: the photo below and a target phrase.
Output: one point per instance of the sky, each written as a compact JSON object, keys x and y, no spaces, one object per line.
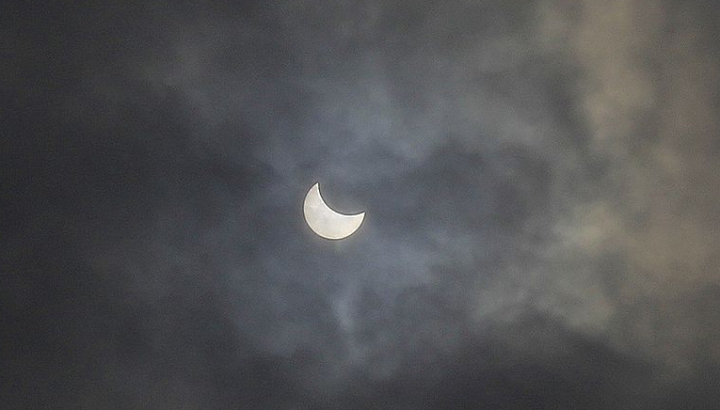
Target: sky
{"x":540,"y":181}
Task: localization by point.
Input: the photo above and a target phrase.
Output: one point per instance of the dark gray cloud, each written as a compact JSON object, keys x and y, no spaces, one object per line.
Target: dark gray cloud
{"x":539,"y":177}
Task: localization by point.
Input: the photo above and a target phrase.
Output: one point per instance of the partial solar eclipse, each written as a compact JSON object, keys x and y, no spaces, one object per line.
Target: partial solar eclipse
{"x":326,"y":222}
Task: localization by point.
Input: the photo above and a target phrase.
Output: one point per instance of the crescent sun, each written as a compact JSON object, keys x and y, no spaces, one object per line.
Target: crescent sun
{"x":324,"y":221}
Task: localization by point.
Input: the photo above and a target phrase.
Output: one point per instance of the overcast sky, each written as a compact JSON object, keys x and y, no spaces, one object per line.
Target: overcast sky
{"x":541,"y":183}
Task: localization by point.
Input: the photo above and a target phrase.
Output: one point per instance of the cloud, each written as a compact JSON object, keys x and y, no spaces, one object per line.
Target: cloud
{"x":643,"y":66}
{"x":539,"y":183}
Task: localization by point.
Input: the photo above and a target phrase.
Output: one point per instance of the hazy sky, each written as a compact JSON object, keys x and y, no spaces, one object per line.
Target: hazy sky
{"x":541,"y":182}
